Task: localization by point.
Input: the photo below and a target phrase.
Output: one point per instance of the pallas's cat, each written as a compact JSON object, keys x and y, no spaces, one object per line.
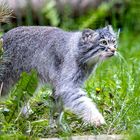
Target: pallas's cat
{"x":63,"y":59}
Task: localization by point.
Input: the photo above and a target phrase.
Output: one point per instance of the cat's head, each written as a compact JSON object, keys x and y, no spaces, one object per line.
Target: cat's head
{"x":98,"y":44}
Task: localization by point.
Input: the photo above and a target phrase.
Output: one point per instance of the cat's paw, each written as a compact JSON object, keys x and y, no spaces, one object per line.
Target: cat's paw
{"x":97,"y":120}
{"x":26,"y":110}
{"x":93,"y":118}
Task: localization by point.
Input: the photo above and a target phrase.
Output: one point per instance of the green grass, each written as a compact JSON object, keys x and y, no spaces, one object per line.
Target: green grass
{"x":117,"y":97}
{"x":114,"y":87}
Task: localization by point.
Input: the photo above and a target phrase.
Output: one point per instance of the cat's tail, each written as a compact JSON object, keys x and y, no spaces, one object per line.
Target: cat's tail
{"x":5,"y":12}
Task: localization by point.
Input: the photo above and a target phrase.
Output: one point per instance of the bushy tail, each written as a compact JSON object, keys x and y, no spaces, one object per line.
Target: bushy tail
{"x":5,"y":12}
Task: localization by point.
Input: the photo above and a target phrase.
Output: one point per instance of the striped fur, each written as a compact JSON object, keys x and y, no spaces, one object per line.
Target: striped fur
{"x":62,"y":59}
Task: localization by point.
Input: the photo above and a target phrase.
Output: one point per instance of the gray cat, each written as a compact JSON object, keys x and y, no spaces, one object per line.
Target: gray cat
{"x":63,"y":59}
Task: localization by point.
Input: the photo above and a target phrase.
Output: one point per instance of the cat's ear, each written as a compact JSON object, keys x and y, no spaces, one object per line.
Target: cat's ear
{"x":89,"y":35}
{"x":110,"y":29}
{"x":118,"y":33}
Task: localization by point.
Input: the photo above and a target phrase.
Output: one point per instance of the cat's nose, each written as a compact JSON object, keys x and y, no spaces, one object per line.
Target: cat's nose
{"x":112,"y":49}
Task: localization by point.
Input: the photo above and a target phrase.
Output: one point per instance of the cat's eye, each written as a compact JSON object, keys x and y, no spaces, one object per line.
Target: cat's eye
{"x":114,"y":41}
{"x":103,"y":42}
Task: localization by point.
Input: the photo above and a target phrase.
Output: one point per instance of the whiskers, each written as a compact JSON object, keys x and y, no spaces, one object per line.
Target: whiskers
{"x":121,"y":58}
{"x":93,"y":59}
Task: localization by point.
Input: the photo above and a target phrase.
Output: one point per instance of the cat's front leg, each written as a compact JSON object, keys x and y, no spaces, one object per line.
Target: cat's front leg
{"x":77,"y":101}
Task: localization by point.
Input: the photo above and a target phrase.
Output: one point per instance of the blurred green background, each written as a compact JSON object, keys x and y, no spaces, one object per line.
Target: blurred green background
{"x":117,"y":79}
{"x":75,"y":14}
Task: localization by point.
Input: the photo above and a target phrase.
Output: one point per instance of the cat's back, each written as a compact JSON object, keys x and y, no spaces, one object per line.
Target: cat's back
{"x":28,"y":30}
{"x":28,"y":36}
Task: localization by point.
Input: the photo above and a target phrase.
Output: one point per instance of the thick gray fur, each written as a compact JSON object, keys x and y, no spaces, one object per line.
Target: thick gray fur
{"x":62,"y":59}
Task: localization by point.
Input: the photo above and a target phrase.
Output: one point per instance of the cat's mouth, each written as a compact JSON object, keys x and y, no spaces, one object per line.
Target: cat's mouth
{"x":109,"y":54}
{"x":105,"y":55}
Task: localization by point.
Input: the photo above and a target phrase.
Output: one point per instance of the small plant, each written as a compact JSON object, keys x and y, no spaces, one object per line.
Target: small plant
{"x":51,"y":13}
